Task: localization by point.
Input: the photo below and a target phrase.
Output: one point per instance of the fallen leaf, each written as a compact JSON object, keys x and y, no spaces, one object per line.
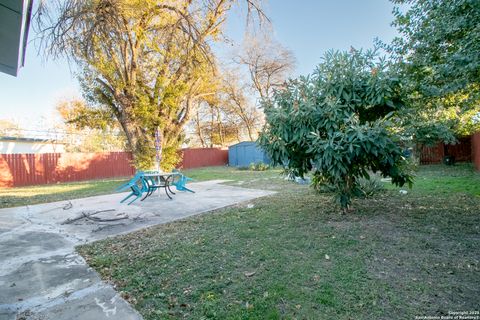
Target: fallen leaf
{"x":249,"y":274}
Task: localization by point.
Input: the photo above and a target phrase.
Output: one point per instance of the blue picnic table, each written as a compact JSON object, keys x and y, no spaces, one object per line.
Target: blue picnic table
{"x":145,"y":183}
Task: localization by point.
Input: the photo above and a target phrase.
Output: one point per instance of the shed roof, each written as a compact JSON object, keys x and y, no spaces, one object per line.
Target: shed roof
{"x":243,"y":143}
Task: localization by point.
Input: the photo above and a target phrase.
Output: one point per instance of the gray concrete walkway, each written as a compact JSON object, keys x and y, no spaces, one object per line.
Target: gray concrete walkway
{"x":41,"y":275}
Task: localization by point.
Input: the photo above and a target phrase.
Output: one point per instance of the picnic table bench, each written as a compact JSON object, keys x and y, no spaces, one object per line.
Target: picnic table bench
{"x":145,"y":183}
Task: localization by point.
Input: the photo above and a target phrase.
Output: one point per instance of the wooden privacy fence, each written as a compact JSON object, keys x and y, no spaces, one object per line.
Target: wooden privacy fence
{"x":34,"y":169}
{"x":476,"y":150}
{"x":462,"y":151}
{"x":203,"y":157}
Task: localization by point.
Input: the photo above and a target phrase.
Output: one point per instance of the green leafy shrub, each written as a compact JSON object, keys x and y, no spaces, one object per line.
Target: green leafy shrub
{"x":369,"y":187}
{"x":366,"y":188}
{"x":336,"y":123}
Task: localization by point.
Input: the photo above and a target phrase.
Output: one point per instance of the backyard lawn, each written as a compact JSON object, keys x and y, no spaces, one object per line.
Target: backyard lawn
{"x":434,"y":178}
{"x":293,"y":256}
{"x":21,"y":196}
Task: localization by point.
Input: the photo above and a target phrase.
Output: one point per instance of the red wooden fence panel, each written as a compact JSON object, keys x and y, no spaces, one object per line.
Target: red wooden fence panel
{"x":462,"y":151}
{"x":203,"y":157}
{"x":476,"y":150}
{"x":431,"y":154}
{"x":33,"y":169}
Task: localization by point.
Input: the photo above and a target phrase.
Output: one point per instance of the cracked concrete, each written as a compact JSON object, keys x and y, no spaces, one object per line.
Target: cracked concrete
{"x":41,"y":275}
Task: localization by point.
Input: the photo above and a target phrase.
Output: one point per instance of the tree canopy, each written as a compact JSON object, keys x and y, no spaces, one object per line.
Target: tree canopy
{"x":260,"y":66}
{"x":438,"y":51}
{"x":86,"y":130}
{"x":440,"y":40}
{"x":268,"y":63}
{"x":143,"y":63}
{"x":335,"y":122}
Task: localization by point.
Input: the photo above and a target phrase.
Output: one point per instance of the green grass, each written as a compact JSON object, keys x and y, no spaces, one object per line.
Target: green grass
{"x":436,"y":178}
{"x":13,"y":197}
{"x":293,"y":256}
{"x":442,"y":179}
{"x":230,"y":173}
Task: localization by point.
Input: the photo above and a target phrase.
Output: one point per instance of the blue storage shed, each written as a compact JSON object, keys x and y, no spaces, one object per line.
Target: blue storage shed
{"x":244,"y":153}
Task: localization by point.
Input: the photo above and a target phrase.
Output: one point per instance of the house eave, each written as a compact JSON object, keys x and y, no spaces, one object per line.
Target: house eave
{"x":15,"y":18}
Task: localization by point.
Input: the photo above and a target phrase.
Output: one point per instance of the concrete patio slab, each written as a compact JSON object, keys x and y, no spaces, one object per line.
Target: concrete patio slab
{"x":41,"y":275}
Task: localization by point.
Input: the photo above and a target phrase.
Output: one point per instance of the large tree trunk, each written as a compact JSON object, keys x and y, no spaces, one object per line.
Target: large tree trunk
{"x":140,"y":143}
{"x":250,"y":133}
{"x":199,"y":129}
{"x":212,"y":127}
{"x":159,"y":152}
